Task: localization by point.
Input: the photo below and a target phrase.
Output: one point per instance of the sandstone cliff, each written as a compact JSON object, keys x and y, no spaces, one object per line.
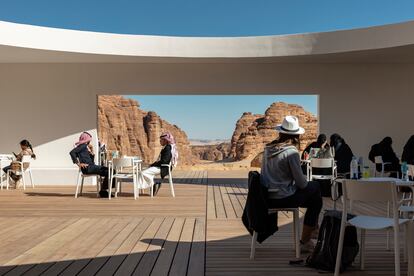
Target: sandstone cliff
{"x":123,"y":126}
{"x":211,"y":152}
{"x":253,"y":131}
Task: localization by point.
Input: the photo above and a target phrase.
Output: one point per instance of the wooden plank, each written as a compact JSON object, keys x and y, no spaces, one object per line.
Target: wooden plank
{"x":57,"y":268}
{"x":19,"y":270}
{"x":69,"y":248}
{"x":211,"y":205}
{"x":38,"y":269}
{"x":230,"y":213}
{"x":132,"y":260}
{"x":46,"y":229}
{"x":75,"y":267}
{"x":5,"y":269}
{"x":111,"y":266}
{"x":218,"y":200}
{"x":197,"y":256}
{"x":238,"y":209}
{"x":163,"y":264}
{"x":45,"y":249}
{"x":180,"y":262}
{"x":99,"y":260}
{"x":156,"y":245}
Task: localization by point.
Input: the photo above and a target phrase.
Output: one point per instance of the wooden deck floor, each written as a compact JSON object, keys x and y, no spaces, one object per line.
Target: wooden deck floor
{"x":46,"y":231}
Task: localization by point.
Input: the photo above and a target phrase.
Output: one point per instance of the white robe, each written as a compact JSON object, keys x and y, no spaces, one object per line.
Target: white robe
{"x":146,"y":177}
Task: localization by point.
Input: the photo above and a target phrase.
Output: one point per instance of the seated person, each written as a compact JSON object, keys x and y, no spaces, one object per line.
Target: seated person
{"x":26,"y":149}
{"x":384,"y":149}
{"x":343,"y":153}
{"x":281,"y":170}
{"x":324,"y":150}
{"x":168,"y":154}
{"x":82,"y":155}
{"x":408,"y":152}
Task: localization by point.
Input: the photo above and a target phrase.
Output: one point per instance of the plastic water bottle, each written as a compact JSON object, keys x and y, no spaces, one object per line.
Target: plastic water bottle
{"x":354,"y":168}
{"x":404,"y":171}
{"x":360,"y":167}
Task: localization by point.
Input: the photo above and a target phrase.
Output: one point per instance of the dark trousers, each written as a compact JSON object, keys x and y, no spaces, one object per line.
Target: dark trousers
{"x":309,"y":198}
{"x":100,"y":170}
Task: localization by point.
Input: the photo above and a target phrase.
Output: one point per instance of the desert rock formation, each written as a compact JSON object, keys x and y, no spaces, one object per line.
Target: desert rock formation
{"x":123,"y":126}
{"x":253,"y":131}
{"x":211,"y":152}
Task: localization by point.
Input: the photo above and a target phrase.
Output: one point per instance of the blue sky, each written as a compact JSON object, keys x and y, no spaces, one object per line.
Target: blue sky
{"x":207,"y":17}
{"x":214,"y":117}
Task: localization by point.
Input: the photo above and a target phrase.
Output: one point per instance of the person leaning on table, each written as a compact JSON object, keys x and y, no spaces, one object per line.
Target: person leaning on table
{"x":281,"y":171}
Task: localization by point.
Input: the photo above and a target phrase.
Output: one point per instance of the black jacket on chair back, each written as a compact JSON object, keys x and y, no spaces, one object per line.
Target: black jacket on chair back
{"x":255,"y":214}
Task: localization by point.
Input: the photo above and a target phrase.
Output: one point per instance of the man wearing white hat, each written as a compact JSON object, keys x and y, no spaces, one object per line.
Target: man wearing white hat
{"x":281,"y":171}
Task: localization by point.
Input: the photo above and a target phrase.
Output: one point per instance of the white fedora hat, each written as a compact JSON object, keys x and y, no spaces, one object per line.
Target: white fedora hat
{"x":290,"y":125}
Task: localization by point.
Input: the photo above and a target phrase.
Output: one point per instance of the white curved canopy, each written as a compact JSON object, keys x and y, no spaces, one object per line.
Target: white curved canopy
{"x":26,"y":43}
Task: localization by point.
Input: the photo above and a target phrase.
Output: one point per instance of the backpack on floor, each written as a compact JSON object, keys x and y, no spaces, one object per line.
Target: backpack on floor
{"x":324,"y":255}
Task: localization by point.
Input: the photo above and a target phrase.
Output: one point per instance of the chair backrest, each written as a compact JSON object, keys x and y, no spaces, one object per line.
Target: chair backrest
{"x":26,"y":159}
{"x":378,"y":159}
{"x":123,"y":162}
{"x":322,"y":162}
{"x":369,"y":191}
{"x":6,"y":157}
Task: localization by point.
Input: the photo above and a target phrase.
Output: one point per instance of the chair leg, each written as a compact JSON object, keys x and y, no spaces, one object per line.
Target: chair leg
{"x":110,"y":188}
{"x":98,"y":185}
{"x":362,"y":253}
{"x":118,"y":188}
{"x":31,"y":177}
{"x":81,"y":187}
{"x":8,"y":180}
{"x":388,"y":231}
{"x":135,"y":187}
{"x":397,"y":251}
{"x":152,"y":190}
{"x":77,"y":185}
{"x":340,"y":248}
{"x":171,"y":185}
{"x":24,"y":181}
{"x":405,"y":244}
{"x":296,"y":232}
{"x":253,"y":245}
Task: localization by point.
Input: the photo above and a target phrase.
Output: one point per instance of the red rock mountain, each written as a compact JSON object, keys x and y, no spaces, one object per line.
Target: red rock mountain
{"x":123,"y":126}
{"x":253,"y":131}
{"x":211,"y":152}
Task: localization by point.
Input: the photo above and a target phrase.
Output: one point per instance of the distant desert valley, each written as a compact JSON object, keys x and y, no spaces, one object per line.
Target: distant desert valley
{"x":123,"y":126}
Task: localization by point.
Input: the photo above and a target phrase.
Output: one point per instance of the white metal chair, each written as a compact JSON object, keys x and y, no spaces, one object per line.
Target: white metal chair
{"x":378,"y":161}
{"x":81,"y":180}
{"x":170,"y":180}
{"x":5,"y":160}
{"x":322,"y":163}
{"x":24,"y":167}
{"x":296,"y":234}
{"x":123,"y":170}
{"x":370,"y":191}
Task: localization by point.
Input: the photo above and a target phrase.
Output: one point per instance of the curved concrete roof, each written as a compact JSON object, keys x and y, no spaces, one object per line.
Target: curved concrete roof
{"x":27,"y":43}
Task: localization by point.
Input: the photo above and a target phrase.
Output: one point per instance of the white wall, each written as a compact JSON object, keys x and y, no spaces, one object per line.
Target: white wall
{"x":50,"y":104}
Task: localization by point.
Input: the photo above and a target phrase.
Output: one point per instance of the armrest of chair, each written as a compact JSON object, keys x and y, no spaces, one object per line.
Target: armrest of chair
{"x":165,"y":165}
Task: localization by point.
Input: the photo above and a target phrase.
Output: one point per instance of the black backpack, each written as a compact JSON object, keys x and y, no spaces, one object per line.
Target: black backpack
{"x":324,"y":255}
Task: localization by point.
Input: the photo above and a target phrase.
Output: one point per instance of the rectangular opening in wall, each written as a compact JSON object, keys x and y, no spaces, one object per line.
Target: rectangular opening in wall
{"x":220,"y":132}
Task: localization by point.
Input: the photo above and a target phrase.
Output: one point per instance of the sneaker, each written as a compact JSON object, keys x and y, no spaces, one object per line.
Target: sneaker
{"x":157,"y":187}
{"x":307,"y":247}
